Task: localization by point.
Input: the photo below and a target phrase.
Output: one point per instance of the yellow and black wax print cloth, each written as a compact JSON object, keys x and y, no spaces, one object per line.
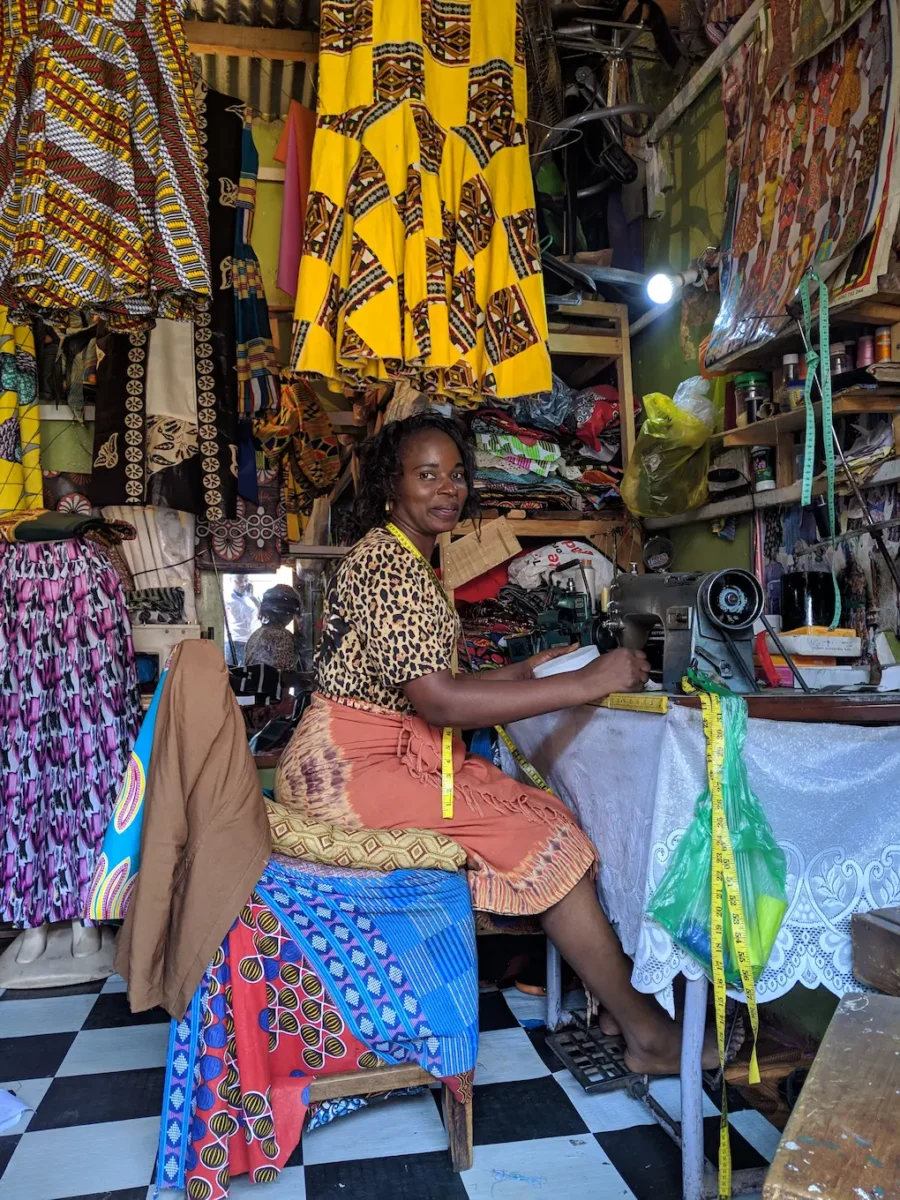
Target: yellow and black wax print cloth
{"x":421,"y":258}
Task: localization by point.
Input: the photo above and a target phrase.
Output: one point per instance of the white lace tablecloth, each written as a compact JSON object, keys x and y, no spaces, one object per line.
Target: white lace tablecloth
{"x":830,"y":793}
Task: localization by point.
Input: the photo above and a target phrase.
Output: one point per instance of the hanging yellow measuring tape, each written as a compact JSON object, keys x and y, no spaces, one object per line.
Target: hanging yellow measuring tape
{"x":725,"y":880}
{"x":447,"y":733}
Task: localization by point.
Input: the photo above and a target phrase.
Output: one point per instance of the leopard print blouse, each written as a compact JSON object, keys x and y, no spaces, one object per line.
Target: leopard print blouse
{"x":385,"y":622}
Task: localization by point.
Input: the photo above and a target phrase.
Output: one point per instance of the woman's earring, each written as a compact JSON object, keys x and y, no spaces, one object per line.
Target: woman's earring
{"x":388,"y":506}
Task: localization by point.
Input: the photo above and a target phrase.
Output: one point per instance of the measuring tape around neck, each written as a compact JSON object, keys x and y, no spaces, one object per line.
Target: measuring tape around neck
{"x":725,"y":889}
{"x":447,"y":732}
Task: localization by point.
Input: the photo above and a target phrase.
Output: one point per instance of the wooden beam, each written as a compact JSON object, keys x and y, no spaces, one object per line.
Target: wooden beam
{"x":367,"y":1083}
{"x":709,"y":71}
{"x":251,"y":41}
{"x":588,"y":343}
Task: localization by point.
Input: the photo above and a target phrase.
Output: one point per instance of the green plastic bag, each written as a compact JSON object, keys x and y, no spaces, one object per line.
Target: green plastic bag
{"x":682,"y":902}
{"x":667,"y":471}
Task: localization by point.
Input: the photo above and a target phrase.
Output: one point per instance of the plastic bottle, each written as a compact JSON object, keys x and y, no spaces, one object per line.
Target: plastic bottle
{"x":762,"y":459}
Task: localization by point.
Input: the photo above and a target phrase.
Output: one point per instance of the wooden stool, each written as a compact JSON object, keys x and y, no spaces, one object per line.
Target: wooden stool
{"x":457,"y":1116}
{"x":842,"y":1141}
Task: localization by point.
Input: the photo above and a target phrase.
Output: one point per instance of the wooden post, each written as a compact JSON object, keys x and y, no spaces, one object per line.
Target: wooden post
{"x":458,"y":1123}
{"x":626,"y":387}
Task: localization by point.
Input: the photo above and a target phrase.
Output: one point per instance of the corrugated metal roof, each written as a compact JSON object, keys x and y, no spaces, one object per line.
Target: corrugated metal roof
{"x":278,"y":14}
{"x":266,"y":85}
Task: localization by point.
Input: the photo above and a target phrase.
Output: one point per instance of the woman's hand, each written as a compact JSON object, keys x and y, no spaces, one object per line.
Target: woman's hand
{"x":544,"y":656}
{"x":617,"y":671}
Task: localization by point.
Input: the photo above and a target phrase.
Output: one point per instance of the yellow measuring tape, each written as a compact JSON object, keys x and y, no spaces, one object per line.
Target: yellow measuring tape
{"x":636,"y":702}
{"x":447,"y":733}
{"x":725,"y":880}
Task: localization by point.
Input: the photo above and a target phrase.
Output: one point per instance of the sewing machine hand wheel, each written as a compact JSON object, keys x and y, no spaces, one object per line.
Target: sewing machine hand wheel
{"x":732,"y":599}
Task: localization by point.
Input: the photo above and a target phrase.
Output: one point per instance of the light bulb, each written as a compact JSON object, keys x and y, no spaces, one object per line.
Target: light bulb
{"x":660,"y":288}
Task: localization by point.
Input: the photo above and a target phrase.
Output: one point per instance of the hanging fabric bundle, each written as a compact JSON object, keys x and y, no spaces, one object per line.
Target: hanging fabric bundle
{"x":100,"y":167}
{"x":421,"y":259}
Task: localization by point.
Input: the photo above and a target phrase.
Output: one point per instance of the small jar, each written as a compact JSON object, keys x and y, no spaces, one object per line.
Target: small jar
{"x":865,"y":351}
{"x":883,"y":343}
{"x":791,"y":383}
{"x":752,"y":390}
{"x":840,"y":363}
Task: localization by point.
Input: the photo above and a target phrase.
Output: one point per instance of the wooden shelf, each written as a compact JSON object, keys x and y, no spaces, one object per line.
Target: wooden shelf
{"x":590,"y":527}
{"x":249,"y":41}
{"x":888,"y":472}
{"x":881,"y":308}
{"x":598,"y":331}
{"x":768,"y":431}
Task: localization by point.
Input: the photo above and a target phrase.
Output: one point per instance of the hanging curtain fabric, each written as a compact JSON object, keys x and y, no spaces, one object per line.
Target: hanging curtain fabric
{"x":100,"y":169}
{"x":421,"y":259}
{"x":295,"y":151}
{"x":166,"y":423}
{"x":298,"y":440}
{"x":21,"y":484}
{"x":160,"y":437}
{"x":257,"y":371}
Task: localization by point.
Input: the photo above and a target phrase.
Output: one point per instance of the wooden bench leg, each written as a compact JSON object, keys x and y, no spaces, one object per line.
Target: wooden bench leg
{"x":458,"y":1122}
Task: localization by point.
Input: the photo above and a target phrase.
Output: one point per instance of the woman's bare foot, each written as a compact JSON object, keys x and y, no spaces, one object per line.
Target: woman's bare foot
{"x":609,"y":1026}
{"x":658,"y":1052}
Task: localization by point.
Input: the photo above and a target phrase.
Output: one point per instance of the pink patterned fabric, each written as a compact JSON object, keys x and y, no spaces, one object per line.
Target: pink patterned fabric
{"x":69,"y":714}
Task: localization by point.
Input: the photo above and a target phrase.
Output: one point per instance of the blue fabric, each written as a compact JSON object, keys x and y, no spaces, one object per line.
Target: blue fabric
{"x":394,"y":951}
{"x":483,"y":743}
{"x":119,"y":860}
{"x":397,"y":953}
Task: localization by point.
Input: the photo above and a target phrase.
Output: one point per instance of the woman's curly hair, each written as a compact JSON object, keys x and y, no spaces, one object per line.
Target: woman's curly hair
{"x":380,"y":466}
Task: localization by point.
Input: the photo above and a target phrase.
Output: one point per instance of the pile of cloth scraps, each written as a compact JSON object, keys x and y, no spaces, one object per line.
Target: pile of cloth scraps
{"x":487,"y":624}
{"x":558,"y":450}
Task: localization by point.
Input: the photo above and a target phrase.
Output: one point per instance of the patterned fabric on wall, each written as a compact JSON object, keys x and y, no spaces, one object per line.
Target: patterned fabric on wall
{"x":20,"y":431}
{"x":421,"y":258}
{"x":161,"y":437}
{"x":254,"y":540}
{"x":257,"y":370}
{"x":811,"y":178}
{"x":801,"y":28}
{"x":167,"y":400}
{"x":299,"y":441}
{"x":100,"y":170}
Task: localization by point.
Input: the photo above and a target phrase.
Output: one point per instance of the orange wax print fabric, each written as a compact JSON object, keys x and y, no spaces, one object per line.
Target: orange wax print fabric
{"x":365,"y":767}
{"x":421,"y":258}
{"x":298,"y":440}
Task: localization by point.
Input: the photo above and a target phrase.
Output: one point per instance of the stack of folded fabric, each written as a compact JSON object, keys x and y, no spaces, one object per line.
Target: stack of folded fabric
{"x":556,"y":450}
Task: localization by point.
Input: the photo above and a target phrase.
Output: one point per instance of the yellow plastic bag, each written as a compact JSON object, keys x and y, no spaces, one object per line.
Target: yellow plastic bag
{"x":667,"y":471}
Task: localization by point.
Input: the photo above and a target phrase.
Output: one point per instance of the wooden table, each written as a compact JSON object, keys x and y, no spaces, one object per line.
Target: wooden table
{"x":843,"y":1138}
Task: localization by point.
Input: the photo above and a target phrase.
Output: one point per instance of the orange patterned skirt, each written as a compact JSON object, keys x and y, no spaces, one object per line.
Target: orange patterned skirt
{"x":363,"y":767}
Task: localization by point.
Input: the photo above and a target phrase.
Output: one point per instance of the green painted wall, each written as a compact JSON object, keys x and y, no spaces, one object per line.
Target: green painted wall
{"x":692,"y":221}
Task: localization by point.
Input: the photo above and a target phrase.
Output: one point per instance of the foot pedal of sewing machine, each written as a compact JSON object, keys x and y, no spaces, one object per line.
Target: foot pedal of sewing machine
{"x":596,"y":1061}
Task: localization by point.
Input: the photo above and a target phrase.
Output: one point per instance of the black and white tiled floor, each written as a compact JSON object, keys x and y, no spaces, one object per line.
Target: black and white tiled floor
{"x":93,"y":1074}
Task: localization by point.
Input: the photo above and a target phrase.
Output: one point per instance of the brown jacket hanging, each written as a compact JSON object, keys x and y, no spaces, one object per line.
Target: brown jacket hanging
{"x":205,"y":839}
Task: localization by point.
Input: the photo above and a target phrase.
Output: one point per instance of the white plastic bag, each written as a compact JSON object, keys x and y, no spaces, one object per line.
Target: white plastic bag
{"x":532,"y":570}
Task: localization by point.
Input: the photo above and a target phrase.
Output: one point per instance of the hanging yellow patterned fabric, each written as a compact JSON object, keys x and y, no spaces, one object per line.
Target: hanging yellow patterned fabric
{"x":421,"y":258}
{"x":21,"y":483}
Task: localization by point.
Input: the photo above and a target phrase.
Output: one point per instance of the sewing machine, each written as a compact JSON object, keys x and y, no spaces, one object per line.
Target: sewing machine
{"x":705,"y":621}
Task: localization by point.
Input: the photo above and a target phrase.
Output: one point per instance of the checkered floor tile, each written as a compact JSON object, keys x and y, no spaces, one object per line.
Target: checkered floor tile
{"x":92,"y":1076}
